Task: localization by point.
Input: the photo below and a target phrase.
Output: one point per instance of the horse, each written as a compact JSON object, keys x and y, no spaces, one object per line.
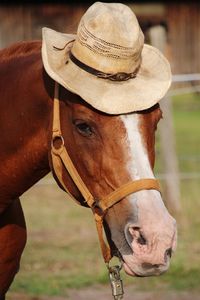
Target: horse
{"x":107,"y":150}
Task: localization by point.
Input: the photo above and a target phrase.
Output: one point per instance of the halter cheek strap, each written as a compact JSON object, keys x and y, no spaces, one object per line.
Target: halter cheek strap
{"x":62,"y":161}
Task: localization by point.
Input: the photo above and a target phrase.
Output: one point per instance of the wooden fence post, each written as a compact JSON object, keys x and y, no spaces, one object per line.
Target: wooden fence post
{"x":158,"y":38}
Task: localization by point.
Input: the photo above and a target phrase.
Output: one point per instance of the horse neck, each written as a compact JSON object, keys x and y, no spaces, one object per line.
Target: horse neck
{"x":25,"y":126}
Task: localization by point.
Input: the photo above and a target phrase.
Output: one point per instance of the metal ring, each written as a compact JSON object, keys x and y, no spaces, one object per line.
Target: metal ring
{"x":120,"y":265}
{"x":57,"y":137}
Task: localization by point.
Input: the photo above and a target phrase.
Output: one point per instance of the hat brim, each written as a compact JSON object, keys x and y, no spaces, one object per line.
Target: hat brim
{"x":142,"y":92}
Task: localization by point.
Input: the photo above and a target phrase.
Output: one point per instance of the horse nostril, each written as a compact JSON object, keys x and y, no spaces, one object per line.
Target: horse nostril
{"x":168,"y":252}
{"x":141,"y":240}
{"x":137,"y":235}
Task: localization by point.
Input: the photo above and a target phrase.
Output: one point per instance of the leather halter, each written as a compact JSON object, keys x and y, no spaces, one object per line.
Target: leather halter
{"x":61,"y":160}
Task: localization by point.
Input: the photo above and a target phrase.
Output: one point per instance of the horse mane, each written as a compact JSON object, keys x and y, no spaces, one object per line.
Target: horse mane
{"x":20,"y":49}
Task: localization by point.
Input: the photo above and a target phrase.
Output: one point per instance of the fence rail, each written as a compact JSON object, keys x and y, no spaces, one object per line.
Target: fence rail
{"x":185,"y":77}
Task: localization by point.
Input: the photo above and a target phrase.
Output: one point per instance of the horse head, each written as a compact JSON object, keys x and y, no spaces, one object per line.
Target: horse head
{"x":108,"y":65}
{"x":109,"y":151}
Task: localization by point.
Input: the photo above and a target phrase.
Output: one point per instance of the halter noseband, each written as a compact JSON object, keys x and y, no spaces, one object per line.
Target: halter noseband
{"x":61,"y":158}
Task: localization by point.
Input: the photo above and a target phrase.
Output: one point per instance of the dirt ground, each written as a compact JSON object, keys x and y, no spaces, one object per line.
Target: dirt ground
{"x":98,"y":293}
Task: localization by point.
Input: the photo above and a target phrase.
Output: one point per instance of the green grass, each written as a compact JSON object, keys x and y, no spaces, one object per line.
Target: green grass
{"x":63,"y":251}
{"x":187,"y":125}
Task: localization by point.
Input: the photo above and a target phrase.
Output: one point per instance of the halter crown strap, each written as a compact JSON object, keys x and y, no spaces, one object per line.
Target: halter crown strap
{"x":63,"y":155}
{"x":61,"y":158}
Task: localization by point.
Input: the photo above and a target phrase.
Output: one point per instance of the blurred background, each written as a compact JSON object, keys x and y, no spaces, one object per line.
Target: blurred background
{"x":62,"y":259}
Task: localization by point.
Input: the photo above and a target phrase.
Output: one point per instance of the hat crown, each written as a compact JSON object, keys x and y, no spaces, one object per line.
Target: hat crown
{"x":109,"y":38}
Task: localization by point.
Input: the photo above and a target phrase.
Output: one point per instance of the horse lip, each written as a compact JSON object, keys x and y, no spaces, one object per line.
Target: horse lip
{"x":128,"y":270}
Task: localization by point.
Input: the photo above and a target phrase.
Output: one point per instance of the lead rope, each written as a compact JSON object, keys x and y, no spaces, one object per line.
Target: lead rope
{"x":113,"y":271}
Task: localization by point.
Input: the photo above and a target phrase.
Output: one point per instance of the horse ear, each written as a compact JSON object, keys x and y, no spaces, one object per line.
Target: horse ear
{"x":158,"y":115}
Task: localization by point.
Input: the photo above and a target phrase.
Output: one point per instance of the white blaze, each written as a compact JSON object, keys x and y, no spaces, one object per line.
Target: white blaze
{"x":139,"y":167}
{"x":138,"y":164}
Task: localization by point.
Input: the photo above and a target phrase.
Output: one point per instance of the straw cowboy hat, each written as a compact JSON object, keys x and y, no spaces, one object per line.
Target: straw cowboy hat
{"x":107,"y":63}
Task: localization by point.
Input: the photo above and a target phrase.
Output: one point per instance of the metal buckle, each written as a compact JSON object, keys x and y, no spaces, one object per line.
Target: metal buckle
{"x":116,"y":281}
{"x":97,"y":208}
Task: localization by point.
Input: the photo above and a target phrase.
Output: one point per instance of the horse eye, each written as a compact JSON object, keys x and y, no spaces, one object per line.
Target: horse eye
{"x":83,"y":128}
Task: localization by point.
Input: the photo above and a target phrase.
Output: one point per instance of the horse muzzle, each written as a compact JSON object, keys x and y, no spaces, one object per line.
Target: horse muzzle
{"x":151,"y":253}
{"x":145,"y":234}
